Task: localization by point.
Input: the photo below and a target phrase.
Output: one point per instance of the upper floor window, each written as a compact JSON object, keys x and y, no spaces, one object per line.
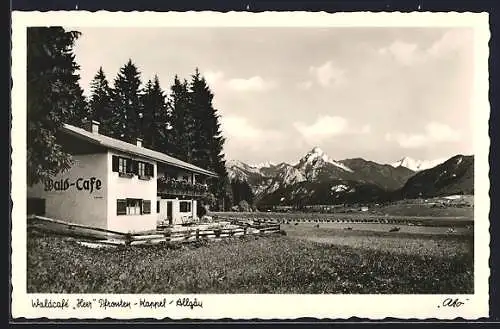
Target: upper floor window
{"x":128,"y":167}
{"x":141,"y":169}
{"x":122,"y":165}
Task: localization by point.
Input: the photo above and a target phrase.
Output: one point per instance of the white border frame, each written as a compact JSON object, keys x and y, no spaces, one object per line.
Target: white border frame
{"x":272,"y":306}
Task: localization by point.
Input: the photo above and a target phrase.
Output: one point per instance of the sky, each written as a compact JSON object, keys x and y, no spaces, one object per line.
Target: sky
{"x":377,"y":93}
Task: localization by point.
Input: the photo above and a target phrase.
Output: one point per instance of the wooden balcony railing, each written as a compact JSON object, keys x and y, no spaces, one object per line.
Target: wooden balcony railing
{"x":180,"y":187}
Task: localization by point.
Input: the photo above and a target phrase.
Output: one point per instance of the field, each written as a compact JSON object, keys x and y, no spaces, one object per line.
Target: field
{"x":308,"y":259}
{"x":394,"y":214}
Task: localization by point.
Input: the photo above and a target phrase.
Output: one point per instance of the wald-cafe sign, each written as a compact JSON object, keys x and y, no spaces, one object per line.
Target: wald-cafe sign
{"x":81,"y":184}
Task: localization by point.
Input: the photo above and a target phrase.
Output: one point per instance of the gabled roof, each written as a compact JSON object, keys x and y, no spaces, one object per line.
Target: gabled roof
{"x":119,"y":145}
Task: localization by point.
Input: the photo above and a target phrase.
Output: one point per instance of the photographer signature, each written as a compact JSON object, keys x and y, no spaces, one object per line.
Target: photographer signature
{"x":453,"y":302}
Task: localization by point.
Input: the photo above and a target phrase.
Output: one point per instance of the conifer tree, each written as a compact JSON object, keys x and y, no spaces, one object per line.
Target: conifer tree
{"x":181,"y":121}
{"x":100,"y":102}
{"x":53,"y":98}
{"x":155,"y":117}
{"x":208,"y":141}
{"x":127,"y":110}
{"x":241,"y":191}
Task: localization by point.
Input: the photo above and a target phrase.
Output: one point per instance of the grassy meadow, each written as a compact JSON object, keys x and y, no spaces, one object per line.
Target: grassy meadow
{"x":306,"y":260}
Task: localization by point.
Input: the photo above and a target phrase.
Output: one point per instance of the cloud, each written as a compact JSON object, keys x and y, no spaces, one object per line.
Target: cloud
{"x":434,"y":133}
{"x":407,"y":53}
{"x":328,"y":126}
{"x":242,"y":135}
{"x":450,"y":41}
{"x":239,"y":129}
{"x":255,"y":83}
{"x":403,"y":52}
{"x":213,"y":77}
{"x":366,"y":129}
{"x":442,"y":133}
{"x":305,"y":85}
{"x":327,"y":74}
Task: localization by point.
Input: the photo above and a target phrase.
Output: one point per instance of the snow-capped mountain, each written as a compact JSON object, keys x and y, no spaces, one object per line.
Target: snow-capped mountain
{"x":315,"y":166}
{"x":453,"y":176}
{"x":316,"y":159}
{"x":417,"y":165}
{"x":317,"y":178}
{"x":266,"y":164}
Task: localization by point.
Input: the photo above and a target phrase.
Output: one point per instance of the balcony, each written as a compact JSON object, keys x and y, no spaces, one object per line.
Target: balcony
{"x":180,"y":187}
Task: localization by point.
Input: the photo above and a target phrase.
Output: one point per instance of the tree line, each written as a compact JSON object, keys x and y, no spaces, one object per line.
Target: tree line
{"x":182,"y":123}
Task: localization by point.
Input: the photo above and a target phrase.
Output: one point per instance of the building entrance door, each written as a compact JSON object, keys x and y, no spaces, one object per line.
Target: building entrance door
{"x":169,"y":212}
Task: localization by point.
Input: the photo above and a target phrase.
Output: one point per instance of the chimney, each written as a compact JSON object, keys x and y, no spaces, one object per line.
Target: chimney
{"x":95,"y":127}
{"x":139,"y":142}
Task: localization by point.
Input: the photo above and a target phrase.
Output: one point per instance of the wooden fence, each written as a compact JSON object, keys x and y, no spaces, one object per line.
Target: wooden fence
{"x":267,"y":218}
{"x":105,"y":236}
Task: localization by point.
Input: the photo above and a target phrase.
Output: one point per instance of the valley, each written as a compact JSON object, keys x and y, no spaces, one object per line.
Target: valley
{"x":318,"y":179}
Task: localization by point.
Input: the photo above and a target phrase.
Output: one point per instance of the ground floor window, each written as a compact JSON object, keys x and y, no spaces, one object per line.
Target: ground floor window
{"x":185,"y":206}
{"x":133,"y":207}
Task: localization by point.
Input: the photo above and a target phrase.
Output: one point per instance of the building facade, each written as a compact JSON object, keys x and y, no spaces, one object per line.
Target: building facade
{"x":119,"y":186}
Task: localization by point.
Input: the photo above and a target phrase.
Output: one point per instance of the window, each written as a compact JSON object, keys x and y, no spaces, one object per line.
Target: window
{"x":141,"y":171}
{"x":157,"y":207}
{"x":185,"y":206}
{"x":146,"y":206}
{"x":145,"y":170}
{"x":121,"y":207}
{"x":134,"y":207}
{"x":122,"y":165}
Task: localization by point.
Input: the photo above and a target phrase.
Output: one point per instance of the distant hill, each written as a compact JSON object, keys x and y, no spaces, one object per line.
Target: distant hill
{"x":454,"y":176}
{"x":318,"y":179}
{"x":385,"y":176}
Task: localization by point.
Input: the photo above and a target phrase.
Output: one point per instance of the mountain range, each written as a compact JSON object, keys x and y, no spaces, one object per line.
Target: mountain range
{"x":318,"y":179}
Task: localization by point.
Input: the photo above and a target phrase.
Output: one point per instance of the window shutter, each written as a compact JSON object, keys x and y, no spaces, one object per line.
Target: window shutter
{"x":115,"y":163}
{"x":135,"y":167}
{"x":121,"y":207}
{"x":130,"y":165}
{"x":146,"y":207}
{"x":149,"y":170}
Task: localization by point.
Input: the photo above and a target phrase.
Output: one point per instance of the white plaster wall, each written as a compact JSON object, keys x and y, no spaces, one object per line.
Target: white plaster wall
{"x":176,"y":218}
{"x":194,"y":205}
{"x":74,"y":205}
{"x":122,"y":188}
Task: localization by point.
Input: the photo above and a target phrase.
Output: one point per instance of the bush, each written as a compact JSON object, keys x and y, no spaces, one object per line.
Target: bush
{"x":243,"y":206}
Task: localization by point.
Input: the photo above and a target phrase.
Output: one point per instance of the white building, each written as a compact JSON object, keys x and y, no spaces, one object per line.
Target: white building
{"x":118,"y":186}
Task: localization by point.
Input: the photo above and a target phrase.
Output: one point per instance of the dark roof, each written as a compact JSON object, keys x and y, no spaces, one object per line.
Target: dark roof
{"x":119,"y":145}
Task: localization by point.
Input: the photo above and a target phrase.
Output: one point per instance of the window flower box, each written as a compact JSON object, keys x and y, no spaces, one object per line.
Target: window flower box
{"x":126,"y":174}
